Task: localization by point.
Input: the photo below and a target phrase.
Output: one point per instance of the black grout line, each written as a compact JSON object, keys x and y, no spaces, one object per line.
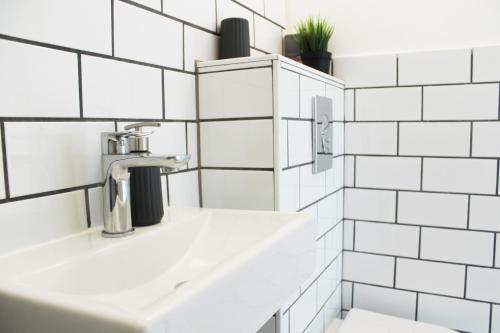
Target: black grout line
{"x":426,"y":226}
{"x":87,"y":207}
{"x":59,"y":119}
{"x":453,"y":263}
{"x":385,"y":121}
{"x":4,"y":158}
{"x":163,"y":94}
{"x":422,"y":85}
{"x":421,"y":174}
{"x":113,"y":28}
{"x":418,"y":191}
{"x":354,"y":171}
{"x":419,"y":291}
{"x":216,"y":17}
{"x":49,"y":193}
{"x":168,"y":189}
{"x":354,"y":235}
{"x":161,"y":5}
{"x":499,"y":101}
{"x":491,"y":319}
{"x":397,"y":69}
{"x":236,"y":168}
{"x":89,"y":53}
{"x":354,"y":105}
{"x":424,"y":156}
{"x":234,"y":69}
{"x":494,"y":249}
{"x":184,"y":47}
{"x":419,"y":242}
{"x":397,"y":205}
{"x":236,"y":119}
{"x":309,"y":120}
{"x":397,"y":138}
{"x":395,"y":270}
{"x":416,"y":306}
{"x":465,"y":279}
{"x":497,"y":175}
{"x":352,"y":295}
{"x":259,"y":14}
{"x":80,"y":87}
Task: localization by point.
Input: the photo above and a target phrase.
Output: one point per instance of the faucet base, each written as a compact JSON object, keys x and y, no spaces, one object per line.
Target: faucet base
{"x":117,"y":234}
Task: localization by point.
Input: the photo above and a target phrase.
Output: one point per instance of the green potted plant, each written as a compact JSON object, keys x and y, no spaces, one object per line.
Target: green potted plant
{"x":312,"y":37}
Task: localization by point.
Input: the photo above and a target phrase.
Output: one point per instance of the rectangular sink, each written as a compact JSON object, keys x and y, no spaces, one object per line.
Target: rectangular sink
{"x":200,"y":270}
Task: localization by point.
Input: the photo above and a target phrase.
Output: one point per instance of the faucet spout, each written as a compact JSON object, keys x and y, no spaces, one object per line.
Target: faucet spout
{"x":117,"y":207}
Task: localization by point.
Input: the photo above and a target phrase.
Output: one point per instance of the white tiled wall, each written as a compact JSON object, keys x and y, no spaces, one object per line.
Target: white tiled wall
{"x":70,"y":70}
{"x":421,"y":243}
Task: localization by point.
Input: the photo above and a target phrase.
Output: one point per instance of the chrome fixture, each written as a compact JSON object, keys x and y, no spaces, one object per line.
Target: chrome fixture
{"x":322,"y":133}
{"x":121,"y":151}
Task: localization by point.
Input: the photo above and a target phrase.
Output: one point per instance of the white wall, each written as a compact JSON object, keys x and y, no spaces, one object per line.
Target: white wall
{"x":385,"y":26}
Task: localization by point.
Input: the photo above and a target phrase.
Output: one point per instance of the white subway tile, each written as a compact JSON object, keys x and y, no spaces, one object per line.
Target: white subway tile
{"x":237,"y":189}
{"x":487,"y":63}
{"x":337,"y":95}
{"x":371,"y":138}
{"x":180,"y":95}
{"x":69,"y":155}
{"x":234,"y":94}
{"x":317,"y":325}
{"x":392,"y":239}
{"x":329,"y":212}
{"x":276,"y":10}
{"x":454,"y":313}
{"x":432,"y":277}
{"x":37,"y":81}
{"x":2,"y":183}
{"x":192,"y":142}
{"x":338,"y":138}
{"x":485,"y":138}
{"x":303,"y":311}
{"x":267,"y":35}
{"x":388,"y":301}
{"x":312,"y":186}
{"x":347,"y":295}
{"x":482,"y":284}
{"x":289,"y":190}
{"x":389,"y":104}
{"x":327,"y":282}
{"x":335,"y":175}
{"x":282,"y":137}
{"x":349,"y":235}
{"x":138,"y":34}
{"x":32,"y":221}
{"x":308,"y":89}
{"x":84,"y":25}
{"x":334,"y":243}
{"x":312,"y":210}
{"x":370,"y":205}
{"x":115,"y":89}
{"x":431,"y":67}
{"x":246,"y":143}
{"x":299,"y":142}
{"x":333,"y":312}
{"x":388,"y":172}
{"x":461,"y":102}
{"x":155,"y":4}
{"x":349,"y":104}
{"x":434,"y":209}
{"x":289,"y":93}
{"x":460,"y":175}
{"x":369,"y":268}
{"x":366,"y":71}
{"x":200,"y":13}
{"x":349,"y":170}
{"x":495,"y":325}
{"x":183,"y":189}
{"x":434,"y":139}
{"x":199,"y":45}
{"x":465,"y":247}
{"x":228,"y":8}
{"x":169,"y":139}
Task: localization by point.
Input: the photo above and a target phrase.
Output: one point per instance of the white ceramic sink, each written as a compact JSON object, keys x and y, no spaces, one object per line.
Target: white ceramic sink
{"x":199,"y":271}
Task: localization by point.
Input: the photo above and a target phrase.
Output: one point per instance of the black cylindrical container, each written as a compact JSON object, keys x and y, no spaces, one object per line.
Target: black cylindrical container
{"x":234,"y":38}
{"x":145,"y":196}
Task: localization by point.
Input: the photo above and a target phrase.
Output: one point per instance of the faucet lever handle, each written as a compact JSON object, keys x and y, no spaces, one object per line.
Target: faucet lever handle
{"x":138,"y":126}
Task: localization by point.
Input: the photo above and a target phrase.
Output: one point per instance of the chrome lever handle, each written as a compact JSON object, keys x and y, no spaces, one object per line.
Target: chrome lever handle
{"x":138,"y":126}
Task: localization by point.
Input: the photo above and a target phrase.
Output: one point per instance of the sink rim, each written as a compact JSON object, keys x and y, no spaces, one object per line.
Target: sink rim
{"x":90,"y":307}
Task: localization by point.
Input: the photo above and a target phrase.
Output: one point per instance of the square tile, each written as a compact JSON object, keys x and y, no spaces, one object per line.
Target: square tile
{"x":486,"y":63}
{"x":289,"y":190}
{"x":369,"y":268}
{"x":198,"y":45}
{"x":289,"y":93}
{"x":299,"y":142}
{"x":268,"y":36}
{"x":484,"y":139}
{"x":482,"y":284}
{"x":183,"y":189}
{"x":180,"y":95}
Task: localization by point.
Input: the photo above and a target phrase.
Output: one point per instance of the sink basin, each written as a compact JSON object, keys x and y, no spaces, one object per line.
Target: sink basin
{"x":199,"y":271}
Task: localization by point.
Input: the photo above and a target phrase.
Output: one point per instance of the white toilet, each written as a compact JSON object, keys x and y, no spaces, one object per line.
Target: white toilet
{"x":361,"y":321}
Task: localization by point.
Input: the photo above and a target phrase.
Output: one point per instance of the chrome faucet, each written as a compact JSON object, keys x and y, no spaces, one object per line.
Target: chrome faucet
{"x":121,"y":151}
